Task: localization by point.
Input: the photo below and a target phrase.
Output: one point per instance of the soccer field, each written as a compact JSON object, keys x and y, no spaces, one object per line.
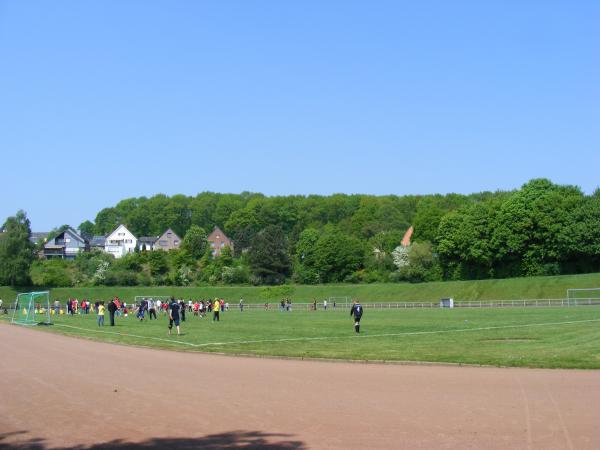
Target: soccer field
{"x":528,"y":337}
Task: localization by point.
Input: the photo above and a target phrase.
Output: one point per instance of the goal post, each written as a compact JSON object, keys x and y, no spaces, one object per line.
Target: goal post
{"x":339,"y":302}
{"x":32,"y":308}
{"x":584,"y":296}
{"x":162,"y":298}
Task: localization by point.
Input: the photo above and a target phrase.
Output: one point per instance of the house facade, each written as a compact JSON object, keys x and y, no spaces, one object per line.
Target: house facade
{"x":66,"y":245}
{"x":36,"y":237}
{"x":97,"y":242}
{"x":146,"y":243}
{"x":120,"y":242}
{"x":167,"y":241}
{"x":218,"y":241}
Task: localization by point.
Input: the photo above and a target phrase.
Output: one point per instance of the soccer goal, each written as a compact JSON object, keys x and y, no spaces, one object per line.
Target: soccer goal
{"x":589,"y":296}
{"x":162,"y":298}
{"x":338,"y":302}
{"x":32,"y":308}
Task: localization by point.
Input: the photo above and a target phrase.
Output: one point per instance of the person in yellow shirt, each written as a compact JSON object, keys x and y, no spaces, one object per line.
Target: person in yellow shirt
{"x":101,"y":314}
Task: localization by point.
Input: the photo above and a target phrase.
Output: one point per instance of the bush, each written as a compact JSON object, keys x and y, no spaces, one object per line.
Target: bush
{"x":52,"y":273}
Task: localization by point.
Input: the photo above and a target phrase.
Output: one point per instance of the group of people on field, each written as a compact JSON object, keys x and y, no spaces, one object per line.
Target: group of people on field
{"x":176,"y":310}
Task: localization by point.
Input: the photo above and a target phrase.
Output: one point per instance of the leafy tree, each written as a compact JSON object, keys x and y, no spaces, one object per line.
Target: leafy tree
{"x":304,"y":267}
{"x":530,"y":228}
{"x":465,"y":241}
{"x":52,"y":273}
{"x":157,"y":261}
{"x":268,"y":256}
{"x":422,"y":264}
{"x":400,"y":256}
{"x":106,"y":221}
{"x":16,"y":251}
{"x":337,"y":255}
{"x":194,"y":242}
{"x":87,"y":229}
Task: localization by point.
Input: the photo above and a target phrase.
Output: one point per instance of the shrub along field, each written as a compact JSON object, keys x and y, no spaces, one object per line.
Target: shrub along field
{"x":503,"y":289}
{"x":567,"y":337}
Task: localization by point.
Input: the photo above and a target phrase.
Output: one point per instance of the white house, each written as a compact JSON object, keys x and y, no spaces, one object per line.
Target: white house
{"x":120,"y":242}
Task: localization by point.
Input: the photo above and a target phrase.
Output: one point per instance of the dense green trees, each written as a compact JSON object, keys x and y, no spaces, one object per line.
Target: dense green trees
{"x":194,"y":242}
{"x":542,"y":228}
{"x":16,"y":251}
{"x":268,"y":256}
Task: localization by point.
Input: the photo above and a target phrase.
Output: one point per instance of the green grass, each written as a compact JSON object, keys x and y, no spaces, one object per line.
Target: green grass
{"x":505,"y":289}
{"x":525,"y":337}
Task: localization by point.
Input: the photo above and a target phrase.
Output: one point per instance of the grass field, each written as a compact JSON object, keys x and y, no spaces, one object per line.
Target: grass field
{"x":505,"y":289}
{"x":525,"y":337}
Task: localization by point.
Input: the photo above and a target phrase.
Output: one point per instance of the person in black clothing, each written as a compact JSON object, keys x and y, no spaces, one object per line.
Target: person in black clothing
{"x":112,"y":308}
{"x":357,"y":312}
{"x":174,"y":315}
{"x":182,"y":309}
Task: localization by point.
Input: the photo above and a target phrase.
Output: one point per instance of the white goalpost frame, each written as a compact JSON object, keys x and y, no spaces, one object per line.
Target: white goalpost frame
{"x":31,"y":308}
{"x":163,"y":299}
{"x":339,"y":301}
{"x":572,"y":294}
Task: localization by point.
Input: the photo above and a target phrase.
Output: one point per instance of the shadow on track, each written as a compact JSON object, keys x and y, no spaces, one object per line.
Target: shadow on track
{"x":238,"y":440}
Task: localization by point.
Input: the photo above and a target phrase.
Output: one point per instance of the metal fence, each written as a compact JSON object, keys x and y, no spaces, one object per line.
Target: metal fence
{"x":523,"y":303}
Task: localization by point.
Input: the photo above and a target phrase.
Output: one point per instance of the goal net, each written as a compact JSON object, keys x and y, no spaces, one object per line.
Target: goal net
{"x":589,"y":296}
{"x":32,"y":308}
{"x":155,"y":298}
{"x":338,"y":302}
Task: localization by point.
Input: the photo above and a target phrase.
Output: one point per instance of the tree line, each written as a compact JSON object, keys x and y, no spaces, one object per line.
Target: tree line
{"x":540,"y":229}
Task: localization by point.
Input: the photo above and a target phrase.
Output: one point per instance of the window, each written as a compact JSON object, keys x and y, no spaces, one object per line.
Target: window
{"x":222,"y":244}
{"x":128,"y":241}
{"x":212,"y":244}
{"x":169,"y":234}
{"x":218,"y":237}
{"x":67,"y":240}
{"x":176,"y":241}
{"x":162,"y":243}
{"x":121,"y":234}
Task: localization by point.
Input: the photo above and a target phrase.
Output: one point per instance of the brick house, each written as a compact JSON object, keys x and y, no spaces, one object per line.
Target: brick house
{"x":218,"y":241}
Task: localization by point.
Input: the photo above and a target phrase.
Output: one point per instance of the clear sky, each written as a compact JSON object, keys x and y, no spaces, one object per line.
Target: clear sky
{"x":104,"y":100}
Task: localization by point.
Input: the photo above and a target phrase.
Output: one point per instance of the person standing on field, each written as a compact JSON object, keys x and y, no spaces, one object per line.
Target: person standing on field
{"x":152,"y":309}
{"x":112,"y":308}
{"x":101,"y":314}
{"x":174,"y":315}
{"x":241,"y":305}
{"x":216,"y":309}
{"x":357,"y":312}
{"x":182,"y":309}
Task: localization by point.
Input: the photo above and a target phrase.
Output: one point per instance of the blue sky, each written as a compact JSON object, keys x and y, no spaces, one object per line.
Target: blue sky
{"x":101,"y":101}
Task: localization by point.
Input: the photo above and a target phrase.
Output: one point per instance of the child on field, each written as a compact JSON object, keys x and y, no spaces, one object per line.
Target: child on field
{"x":101,"y":314}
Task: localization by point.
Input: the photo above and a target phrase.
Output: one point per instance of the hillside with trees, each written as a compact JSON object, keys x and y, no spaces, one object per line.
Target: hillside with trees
{"x":540,"y":229}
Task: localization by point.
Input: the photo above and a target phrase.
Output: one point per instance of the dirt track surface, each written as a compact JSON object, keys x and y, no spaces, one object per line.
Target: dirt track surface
{"x":61,"y":392}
